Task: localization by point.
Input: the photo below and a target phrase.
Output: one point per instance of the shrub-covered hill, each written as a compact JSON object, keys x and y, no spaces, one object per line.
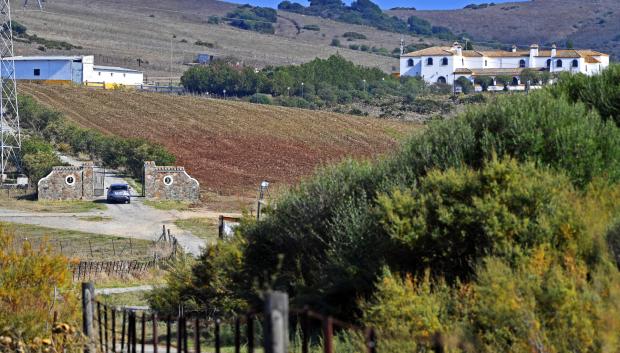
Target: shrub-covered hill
{"x":486,"y":233}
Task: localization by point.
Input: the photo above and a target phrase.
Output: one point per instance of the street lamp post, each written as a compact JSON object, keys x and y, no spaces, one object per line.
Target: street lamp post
{"x":364,"y":80}
{"x":262,"y":189}
{"x":224,"y":94}
{"x":288,"y":91}
{"x":302,"y":90}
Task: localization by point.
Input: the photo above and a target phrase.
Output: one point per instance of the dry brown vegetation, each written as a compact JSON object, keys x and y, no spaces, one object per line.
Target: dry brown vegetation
{"x":229,"y":146}
{"x":590,"y":24}
{"x":120,"y":32}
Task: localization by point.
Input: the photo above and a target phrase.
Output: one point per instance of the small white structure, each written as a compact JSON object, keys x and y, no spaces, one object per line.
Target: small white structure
{"x":76,"y":69}
{"x":448,"y":64}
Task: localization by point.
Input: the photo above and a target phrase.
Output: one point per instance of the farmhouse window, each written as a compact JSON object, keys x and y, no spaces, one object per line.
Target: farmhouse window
{"x":99,"y":73}
{"x":444,"y":61}
{"x":37,"y":72}
{"x":429,"y":61}
{"x":575,"y":63}
{"x":558,"y":63}
{"x":111,"y":73}
{"x":548,"y":62}
{"x":410,"y":62}
{"x":522,"y":63}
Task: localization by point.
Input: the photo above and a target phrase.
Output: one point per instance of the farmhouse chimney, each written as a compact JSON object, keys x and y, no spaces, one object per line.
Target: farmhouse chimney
{"x":554,"y":50}
{"x":456,"y":47}
{"x":514,"y":48}
{"x":533,"y":50}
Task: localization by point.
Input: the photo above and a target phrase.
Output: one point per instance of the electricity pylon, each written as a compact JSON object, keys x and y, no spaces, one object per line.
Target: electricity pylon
{"x":10,"y":135}
{"x":38,"y":2}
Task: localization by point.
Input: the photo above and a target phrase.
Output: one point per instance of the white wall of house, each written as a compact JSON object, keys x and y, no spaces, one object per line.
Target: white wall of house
{"x":435,"y":72}
{"x":410,"y":66}
{"x":117,"y":76}
{"x":77,"y":69}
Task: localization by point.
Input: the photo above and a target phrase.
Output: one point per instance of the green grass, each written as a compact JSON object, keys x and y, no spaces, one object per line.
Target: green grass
{"x":136,"y":185}
{"x":121,"y":299}
{"x":82,"y":245}
{"x":168,"y":205}
{"x":10,"y":202}
{"x":204,"y":228}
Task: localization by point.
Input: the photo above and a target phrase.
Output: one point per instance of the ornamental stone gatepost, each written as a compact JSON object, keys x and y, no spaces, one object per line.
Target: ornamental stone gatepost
{"x":169,"y":183}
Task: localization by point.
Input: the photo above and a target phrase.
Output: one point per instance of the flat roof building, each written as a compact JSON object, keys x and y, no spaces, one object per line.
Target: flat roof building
{"x":72,"y":69}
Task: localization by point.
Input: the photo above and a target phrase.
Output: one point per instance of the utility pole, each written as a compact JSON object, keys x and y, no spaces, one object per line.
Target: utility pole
{"x":171,"y":56}
{"x":262,"y":189}
{"x":10,"y":135}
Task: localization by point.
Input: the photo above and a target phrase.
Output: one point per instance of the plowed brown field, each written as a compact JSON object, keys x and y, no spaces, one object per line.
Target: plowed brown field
{"x":229,"y":146}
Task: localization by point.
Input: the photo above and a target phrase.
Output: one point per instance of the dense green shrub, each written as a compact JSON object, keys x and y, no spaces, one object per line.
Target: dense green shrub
{"x":258,"y":19}
{"x":312,"y":27}
{"x":599,"y":92}
{"x":335,"y":42}
{"x":214,"y":20}
{"x":38,"y":158}
{"x":505,"y":208}
{"x":354,"y":35}
{"x":326,"y":82}
{"x":452,"y":219}
{"x":336,"y":207}
{"x":465,"y":84}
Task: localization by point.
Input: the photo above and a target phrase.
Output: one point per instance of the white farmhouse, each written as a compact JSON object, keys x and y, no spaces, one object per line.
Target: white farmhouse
{"x":448,"y":64}
{"x":72,"y":69}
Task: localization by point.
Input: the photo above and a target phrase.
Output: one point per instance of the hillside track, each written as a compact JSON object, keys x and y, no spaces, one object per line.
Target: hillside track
{"x":229,"y":146}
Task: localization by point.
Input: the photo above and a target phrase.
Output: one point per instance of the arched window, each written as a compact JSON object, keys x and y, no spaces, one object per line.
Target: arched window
{"x":515,"y":81}
{"x":410,"y":62}
{"x":548,"y":62}
{"x":486,"y":63}
{"x":558,"y":63}
{"x":444,"y":61}
{"x":441,"y":79}
{"x":575,"y":63}
{"x":429,"y":61}
{"x":522,"y":63}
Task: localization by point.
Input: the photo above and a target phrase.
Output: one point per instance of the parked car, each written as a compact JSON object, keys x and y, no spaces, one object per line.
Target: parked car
{"x":119,"y":193}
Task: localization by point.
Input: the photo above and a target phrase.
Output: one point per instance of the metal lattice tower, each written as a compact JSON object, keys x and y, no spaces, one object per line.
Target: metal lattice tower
{"x":38,"y":2}
{"x":10,"y":135}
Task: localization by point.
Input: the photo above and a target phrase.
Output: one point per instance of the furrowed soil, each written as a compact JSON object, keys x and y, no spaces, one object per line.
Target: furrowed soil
{"x":229,"y":146}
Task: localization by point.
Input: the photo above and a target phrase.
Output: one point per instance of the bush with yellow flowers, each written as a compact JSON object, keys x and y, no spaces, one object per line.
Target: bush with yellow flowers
{"x":34,"y":283}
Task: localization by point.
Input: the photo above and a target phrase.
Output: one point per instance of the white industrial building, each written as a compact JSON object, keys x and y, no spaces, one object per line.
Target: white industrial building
{"x":448,"y":64}
{"x":72,"y":69}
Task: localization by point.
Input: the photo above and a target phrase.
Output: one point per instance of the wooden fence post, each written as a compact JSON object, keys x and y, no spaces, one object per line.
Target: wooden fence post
{"x":328,"y":335}
{"x":88,"y":298}
{"x":276,"y":322}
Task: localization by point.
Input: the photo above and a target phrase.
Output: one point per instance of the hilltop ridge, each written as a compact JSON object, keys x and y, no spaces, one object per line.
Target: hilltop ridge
{"x":592,"y":24}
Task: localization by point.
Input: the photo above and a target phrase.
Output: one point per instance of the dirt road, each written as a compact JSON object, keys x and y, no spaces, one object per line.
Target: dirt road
{"x":134,"y":220}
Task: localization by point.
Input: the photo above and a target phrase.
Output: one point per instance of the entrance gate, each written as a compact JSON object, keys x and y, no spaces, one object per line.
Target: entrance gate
{"x":99,"y":181}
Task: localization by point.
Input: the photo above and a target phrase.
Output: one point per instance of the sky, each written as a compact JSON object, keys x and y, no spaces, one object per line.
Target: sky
{"x":387,"y":4}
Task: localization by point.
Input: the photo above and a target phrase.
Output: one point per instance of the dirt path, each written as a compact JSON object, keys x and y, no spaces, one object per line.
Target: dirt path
{"x":108,"y":291}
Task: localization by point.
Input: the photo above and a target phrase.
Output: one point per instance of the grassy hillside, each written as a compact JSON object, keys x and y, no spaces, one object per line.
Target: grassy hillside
{"x":589,"y":24}
{"x":120,"y":32}
{"x":227,"y":145}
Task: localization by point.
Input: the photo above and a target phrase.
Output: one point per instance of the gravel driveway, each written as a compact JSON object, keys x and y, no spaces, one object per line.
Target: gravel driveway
{"x":135,"y":220}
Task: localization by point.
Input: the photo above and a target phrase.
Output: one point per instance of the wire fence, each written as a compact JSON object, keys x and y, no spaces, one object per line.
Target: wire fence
{"x":136,"y":329}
